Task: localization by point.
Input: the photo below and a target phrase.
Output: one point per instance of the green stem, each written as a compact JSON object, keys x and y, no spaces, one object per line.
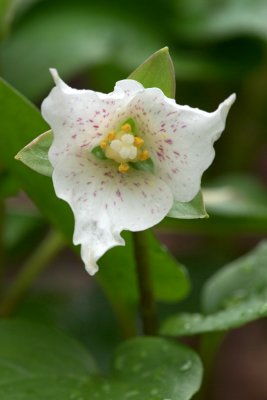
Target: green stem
{"x":209,"y":346}
{"x":147,"y":301}
{"x":39,"y":260}
{"x":2,"y":247}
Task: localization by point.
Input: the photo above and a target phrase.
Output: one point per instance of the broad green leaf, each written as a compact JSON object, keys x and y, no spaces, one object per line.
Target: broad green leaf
{"x":157,"y":71}
{"x":35,"y":154}
{"x":169,"y":277}
{"x":117,"y":272}
{"x":234,"y":296}
{"x":20,"y":121}
{"x":194,"y":209}
{"x":37,"y":363}
{"x":233,"y":316}
{"x":6,"y":12}
{"x":23,"y":231}
{"x":236,"y":196}
{"x":8,"y":185}
{"x":227,"y":19}
{"x":72,"y":36}
{"x":237,"y":281}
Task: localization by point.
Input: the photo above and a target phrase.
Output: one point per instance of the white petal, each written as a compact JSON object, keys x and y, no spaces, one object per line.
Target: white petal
{"x":79,"y":118}
{"x":179,"y":138}
{"x":129,"y":86}
{"x":105,"y":202}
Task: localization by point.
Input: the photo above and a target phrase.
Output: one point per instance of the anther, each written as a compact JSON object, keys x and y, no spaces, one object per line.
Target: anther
{"x":138,"y":142}
{"x":126,"y":128}
{"x":123,"y":168}
{"x":144,"y":155}
{"x":103,"y":144}
{"x":111,"y":135}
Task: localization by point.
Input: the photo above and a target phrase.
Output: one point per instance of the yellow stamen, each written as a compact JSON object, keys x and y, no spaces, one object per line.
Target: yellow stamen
{"x":138,"y":142}
{"x":123,"y":168}
{"x":144,"y":155}
{"x":103,"y":144}
{"x":111,"y":135}
{"x":126,"y":128}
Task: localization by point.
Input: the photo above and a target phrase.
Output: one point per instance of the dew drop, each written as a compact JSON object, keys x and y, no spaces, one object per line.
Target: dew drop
{"x":106,"y":387}
{"x":132,"y":394}
{"x":186,"y":366}
{"x":247,"y":268}
{"x":137,"y":367}
{"x":143,"y":354}
{"x":187,"y":326}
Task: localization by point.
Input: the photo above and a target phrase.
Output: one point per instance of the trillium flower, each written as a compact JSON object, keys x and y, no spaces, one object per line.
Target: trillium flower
{"x":122,"y":159}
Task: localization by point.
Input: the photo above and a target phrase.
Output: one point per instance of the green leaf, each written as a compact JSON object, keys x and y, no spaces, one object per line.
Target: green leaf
{"x":19,"y":124}
{"x":117,"y":273}
{"x":234,"y":296}
{"x":237,"y":281}
{"x":234,"y":316}
{"x":38,"y":363}
{"x":146,"y":165}
{"x":157,"y":71}
{"x":35,"y":154}
{"x":193,"y":209}
{"x":228,"y":19}
{"x":90,"y":33}
{"x":237,"y":196}
{"x":169,"y":277}
{"x":9,"y":186}
{"x":6,"y":13}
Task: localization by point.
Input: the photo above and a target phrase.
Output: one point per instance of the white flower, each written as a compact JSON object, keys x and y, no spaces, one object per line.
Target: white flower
{"x":101,"y":141}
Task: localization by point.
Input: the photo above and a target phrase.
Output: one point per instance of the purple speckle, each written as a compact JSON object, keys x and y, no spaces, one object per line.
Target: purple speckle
{"x":168,"y":141}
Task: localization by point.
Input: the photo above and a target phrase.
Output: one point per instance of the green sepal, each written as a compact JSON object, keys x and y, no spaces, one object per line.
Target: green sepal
{"x":99,"y":153}
{"x":157,"y":71}
{"x":35,"y":154}
{"x":147,"y":165}
{"x":191,"y":210}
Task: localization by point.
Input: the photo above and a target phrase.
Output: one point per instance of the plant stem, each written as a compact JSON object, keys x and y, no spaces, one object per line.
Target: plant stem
{"x":2,"y":247}
{"x":209,"y":346}
{"x":39,"y":260}
{"x":147,"y":301}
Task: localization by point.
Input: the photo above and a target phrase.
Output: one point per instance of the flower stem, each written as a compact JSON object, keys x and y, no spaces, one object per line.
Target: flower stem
{"x":209,"y":347}
{"x":39,"y":260}
{"x":147,"y":301}
{"x":2,"y":247}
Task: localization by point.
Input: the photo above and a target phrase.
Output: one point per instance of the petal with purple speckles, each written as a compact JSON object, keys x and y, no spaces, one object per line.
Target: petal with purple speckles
{"x":105,"y":202}
{"x":179,"y":138}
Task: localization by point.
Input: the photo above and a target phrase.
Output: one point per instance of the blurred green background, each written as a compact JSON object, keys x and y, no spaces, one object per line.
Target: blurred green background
{"x":218,"y":47}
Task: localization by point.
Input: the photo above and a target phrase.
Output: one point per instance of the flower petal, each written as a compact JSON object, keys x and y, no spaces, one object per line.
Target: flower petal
{"x":179,"y":138}
{"x":105,"y":202}
{"x":129,"y":86}
{"x":79,"y":118}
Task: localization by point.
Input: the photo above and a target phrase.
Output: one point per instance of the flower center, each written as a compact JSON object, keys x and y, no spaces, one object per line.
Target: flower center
{"x":124,"y":147}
